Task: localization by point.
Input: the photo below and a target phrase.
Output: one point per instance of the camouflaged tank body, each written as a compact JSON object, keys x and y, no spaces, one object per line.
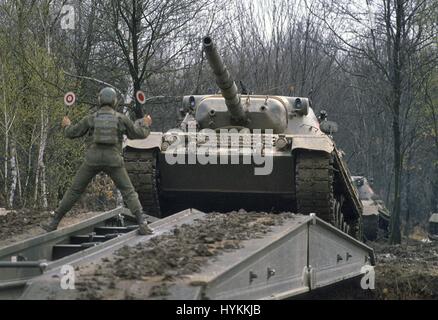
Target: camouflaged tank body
{"x":375,"y":214}
{"x":308,"y":172}
{"x":433,"y":227}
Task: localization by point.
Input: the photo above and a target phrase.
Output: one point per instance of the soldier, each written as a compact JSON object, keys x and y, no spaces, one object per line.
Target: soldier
{"x":322,"y":116}
{"x":104,"y":129}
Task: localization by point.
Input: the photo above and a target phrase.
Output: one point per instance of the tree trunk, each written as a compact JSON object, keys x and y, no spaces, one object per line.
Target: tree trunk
{"x":44,"y":186}
{"x":434,"y":200}
{"x":6,"y":119}
{"x":29,"y":161}
{"x":14,"y":174}
{"x":396,"y":66}
{"x":408,"y":195}
{"x":395,"y":216}
{"x":136,"y":78}
{"x":40,"y":178}
{"x":6,"y":159}
{"x":40,"y":175}
{"x":20,"y":190}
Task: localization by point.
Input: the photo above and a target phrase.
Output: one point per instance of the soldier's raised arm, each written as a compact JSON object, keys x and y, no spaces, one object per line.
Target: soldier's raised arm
{"x":77,"y":130}
{"x":140,"y":129}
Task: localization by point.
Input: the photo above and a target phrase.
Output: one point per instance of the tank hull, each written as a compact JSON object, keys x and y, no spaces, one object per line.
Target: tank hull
{"x":293,"y":179}
{"x":284,"y":160}
{"x":228,"y":178}
{"x":227,"y":187}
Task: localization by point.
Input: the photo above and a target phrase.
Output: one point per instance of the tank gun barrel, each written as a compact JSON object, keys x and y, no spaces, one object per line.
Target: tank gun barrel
{"x":224,"y":81}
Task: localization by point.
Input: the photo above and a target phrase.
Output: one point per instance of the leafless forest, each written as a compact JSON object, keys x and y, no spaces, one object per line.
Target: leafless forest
{"x":372,"y":64}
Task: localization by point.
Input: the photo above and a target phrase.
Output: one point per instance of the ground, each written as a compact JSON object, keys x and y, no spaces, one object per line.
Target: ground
{"x":22,"y":224}
{"x":407,"y":271}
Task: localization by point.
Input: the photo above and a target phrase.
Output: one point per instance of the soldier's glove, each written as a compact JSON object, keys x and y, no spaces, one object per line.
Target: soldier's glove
{"x":65,"y":122}
{"x":147,"y":120}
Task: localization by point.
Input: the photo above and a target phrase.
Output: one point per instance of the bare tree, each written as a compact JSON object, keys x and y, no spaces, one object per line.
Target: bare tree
{"x":150,"y":34}
{"x":389,"y":35}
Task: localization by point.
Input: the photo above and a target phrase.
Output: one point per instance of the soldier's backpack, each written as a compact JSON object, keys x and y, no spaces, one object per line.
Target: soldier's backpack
{"x":106,"y":128}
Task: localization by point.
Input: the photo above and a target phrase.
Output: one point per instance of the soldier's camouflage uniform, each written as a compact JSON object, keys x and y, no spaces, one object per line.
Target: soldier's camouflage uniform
{"x":104,"y":158}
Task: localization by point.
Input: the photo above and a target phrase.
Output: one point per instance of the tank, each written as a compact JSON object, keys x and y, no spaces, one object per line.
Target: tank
{"x":433,"y":227}
{"x":375,"y":214}
{"x":255,"y":152}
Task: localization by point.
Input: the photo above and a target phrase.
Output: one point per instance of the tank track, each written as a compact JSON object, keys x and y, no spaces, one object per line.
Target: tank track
{"x":315,"y":192}
{"x":142,"y":170}
{"x":371,"y":228}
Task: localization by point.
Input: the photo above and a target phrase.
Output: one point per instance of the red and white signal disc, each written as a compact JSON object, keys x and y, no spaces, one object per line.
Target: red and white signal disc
{"x":140,"y":96}
{"x":69,"y":99}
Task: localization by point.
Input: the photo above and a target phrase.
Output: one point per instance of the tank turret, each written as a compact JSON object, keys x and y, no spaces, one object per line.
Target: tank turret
{"x":225,"y":82}
{"x":230,"y":109}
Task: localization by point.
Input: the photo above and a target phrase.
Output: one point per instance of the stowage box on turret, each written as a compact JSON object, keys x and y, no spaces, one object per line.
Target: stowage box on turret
{"x":256,"y":152}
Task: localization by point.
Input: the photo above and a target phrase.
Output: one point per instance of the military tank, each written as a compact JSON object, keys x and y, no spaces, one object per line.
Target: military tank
{"x":375,"y":215}
{"x":433,"y":227}
{"x":237,"y":150}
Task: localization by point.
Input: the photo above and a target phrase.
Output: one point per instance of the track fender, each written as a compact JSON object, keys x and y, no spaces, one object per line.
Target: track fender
{"x":311,"y":142}
{"x":151,"y":142}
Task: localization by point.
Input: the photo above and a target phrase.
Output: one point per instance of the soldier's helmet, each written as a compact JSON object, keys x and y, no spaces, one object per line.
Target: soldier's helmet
{"x":108,"y":97}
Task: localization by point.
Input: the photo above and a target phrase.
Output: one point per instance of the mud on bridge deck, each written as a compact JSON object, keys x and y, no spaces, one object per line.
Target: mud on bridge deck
{"x":191,"y":255}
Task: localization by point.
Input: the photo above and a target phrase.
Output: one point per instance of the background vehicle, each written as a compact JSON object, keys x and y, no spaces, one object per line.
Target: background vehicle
{"x":433,"y":227}
{"x":375,"y":215}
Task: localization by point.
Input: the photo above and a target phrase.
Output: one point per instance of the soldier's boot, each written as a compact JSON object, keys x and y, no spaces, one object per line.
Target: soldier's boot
{"x":52,"y":225}
{"x":143,"y":228}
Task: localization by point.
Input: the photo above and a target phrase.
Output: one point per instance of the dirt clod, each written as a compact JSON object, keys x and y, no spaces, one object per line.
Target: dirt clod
{"x":183,"y":251}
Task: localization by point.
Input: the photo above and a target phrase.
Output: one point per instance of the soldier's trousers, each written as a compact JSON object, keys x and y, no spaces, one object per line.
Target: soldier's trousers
{"x":83,"y":177}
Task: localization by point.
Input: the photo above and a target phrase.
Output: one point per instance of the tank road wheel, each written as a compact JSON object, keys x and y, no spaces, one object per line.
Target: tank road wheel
{"x":346,"y":228}
{"x":336,"y":211}
{"x":343,"y":225}
{"x":338,"y":216}
{"x":315,"y":192}
{"x":356,"y":230}
{"x":143,"y":172}
{"x":314,"y":184}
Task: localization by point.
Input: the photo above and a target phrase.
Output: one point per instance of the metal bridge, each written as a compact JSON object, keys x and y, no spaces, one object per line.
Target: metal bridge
{"x":301,"y":255}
